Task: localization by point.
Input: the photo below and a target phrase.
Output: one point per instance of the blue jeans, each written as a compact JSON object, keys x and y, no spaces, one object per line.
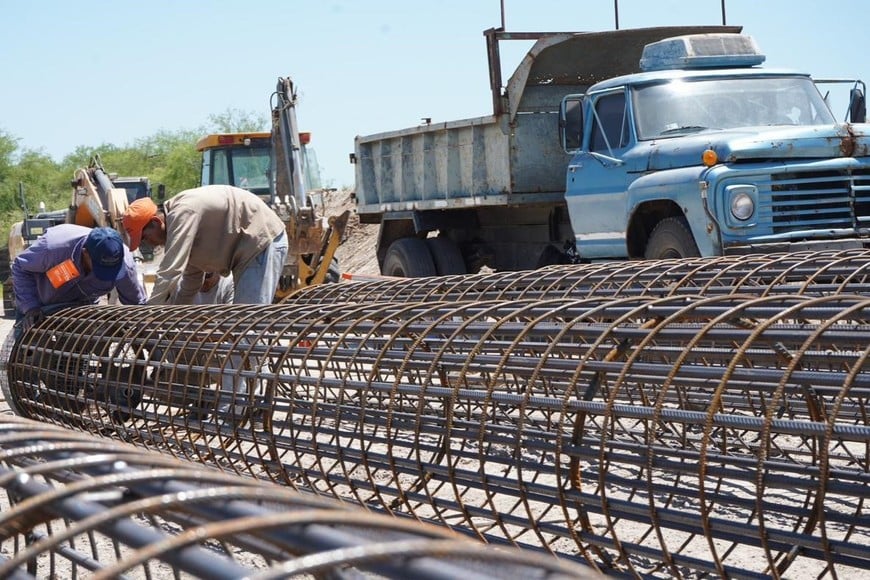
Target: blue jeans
{"x":258,"y":283}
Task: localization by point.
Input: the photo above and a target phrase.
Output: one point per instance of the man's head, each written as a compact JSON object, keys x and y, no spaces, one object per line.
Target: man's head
{"x":105,"y":253}
{"x":142,"y":221}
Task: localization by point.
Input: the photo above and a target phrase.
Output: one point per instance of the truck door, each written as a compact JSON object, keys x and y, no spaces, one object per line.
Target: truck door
{"x":597,"y":180}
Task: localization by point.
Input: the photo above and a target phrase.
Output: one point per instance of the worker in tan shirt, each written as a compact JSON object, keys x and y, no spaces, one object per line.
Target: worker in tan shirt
{"x":215,"y":228}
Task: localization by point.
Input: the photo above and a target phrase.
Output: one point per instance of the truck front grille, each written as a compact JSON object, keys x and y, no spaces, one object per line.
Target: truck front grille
{"x":819,"y":200}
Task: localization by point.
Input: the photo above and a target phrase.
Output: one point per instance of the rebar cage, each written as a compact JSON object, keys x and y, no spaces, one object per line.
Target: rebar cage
{"x":628,"y":426}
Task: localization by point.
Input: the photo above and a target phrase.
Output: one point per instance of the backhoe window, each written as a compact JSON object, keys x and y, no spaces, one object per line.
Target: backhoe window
{"x":251,"y":169}
{"x":219,"y":163}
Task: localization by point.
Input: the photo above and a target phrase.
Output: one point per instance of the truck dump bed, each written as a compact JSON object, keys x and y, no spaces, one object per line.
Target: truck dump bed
{"x":511,"y":157}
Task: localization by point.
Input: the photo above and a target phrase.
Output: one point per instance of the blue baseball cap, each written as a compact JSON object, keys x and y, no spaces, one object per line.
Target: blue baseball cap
{"x":106,"y":250}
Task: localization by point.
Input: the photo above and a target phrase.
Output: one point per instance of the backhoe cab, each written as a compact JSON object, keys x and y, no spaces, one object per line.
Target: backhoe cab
{"x":280,"y":168}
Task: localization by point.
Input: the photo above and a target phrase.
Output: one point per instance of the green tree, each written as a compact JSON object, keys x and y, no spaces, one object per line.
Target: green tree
{"x":172,"y":159}
{"x":8,"y":147}
{"x":166,"y":157}
{"x":43,"y":180}
{"x":236,"y":121}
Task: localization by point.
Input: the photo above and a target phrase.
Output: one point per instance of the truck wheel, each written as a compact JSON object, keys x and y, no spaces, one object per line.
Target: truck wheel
{"x":446,"y":256}
{"x":408,"y":258}
{"x":671,"y":238}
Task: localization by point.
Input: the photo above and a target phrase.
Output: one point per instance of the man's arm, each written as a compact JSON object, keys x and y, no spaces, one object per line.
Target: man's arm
{"x":130,"y":289}
{"x":26,"y":268}
{"x":181,"y":231}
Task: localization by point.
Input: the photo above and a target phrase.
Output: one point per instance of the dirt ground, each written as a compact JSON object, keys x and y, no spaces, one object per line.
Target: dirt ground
{"x":356,"y":254}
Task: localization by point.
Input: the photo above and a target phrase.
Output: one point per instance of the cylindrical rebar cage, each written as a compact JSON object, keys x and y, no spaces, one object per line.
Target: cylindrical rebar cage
{"x":807,"y":273}
{"x":73,"y":505}
{"x":642,"y":435}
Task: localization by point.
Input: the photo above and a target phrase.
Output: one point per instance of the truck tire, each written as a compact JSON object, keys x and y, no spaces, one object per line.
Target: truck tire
{"x":446,"y":256}
{"x":408,"y":258}
{"x":671,"y":238}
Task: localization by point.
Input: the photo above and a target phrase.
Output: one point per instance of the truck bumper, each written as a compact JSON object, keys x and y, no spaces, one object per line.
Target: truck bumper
{"x":802,"y":246}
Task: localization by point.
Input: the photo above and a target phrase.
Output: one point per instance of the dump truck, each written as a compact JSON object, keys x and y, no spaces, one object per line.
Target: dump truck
{"x":627,"y":144}
{"x":281,"y":168}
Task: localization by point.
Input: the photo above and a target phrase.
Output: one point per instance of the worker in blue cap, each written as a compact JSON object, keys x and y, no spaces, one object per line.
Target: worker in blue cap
{"x":72,"y":265}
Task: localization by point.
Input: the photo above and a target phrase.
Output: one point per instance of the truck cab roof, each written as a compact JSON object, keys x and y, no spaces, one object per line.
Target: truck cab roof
{"x":643,"y":78}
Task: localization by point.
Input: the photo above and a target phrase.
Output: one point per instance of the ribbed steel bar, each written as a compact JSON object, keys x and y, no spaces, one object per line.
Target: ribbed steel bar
{"x":668,"y":436}
{"x":74,"y":505}
{"x":810,"y":273}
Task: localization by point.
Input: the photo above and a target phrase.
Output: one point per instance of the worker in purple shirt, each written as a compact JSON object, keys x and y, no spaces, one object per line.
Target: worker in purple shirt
{"x":72,"y":265}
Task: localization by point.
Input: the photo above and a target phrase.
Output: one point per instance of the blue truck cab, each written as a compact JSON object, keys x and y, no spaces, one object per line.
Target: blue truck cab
{"x":705,"y":153}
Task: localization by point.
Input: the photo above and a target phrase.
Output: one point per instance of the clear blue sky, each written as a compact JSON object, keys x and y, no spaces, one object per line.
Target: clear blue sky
{"x":89,"y":72}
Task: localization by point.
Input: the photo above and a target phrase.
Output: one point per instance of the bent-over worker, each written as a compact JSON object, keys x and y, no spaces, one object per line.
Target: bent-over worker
{"x":214,"y":228}
{"x":70,"y":265}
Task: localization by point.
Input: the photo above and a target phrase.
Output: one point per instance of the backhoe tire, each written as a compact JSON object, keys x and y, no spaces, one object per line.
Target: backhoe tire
{"x":408,"y":258}
{"x":446,"y":256}
{"x":671,"y":239}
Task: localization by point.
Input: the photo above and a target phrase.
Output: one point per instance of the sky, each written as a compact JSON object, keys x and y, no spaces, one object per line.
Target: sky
{"x":93,"y":72}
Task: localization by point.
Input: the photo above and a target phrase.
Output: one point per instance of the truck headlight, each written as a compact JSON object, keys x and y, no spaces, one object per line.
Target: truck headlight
{"x":742,"y":201}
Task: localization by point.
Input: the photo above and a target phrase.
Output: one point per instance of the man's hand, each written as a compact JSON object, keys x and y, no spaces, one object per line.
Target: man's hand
{"x":33,"y":317}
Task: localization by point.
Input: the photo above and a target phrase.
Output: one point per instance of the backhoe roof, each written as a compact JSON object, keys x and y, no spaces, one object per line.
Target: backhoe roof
{"x":228,"y":139}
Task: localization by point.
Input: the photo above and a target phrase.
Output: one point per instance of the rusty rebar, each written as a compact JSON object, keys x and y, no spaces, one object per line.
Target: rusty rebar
{"x":809,"y":273}
{"x":673,"y":436}
{"x":75,"y":505}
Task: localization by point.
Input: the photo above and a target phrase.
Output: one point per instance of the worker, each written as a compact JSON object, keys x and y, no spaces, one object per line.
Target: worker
{"x":72,"y":265}
{"x":214,"y":228}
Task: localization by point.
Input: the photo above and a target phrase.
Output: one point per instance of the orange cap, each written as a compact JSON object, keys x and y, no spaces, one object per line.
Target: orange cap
{"x":136,"y":217}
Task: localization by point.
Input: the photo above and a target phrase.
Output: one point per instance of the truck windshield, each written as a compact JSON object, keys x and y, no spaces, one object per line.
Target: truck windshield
{"x":684,"y":106}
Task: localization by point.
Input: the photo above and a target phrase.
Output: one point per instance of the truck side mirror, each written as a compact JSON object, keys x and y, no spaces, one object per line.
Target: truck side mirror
{"x":161,"y":192}
{"x":857,"y":106}
{"x":571,"y":123}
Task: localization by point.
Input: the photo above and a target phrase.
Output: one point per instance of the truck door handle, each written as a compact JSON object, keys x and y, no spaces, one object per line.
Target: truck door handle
{"x":574,"y":167}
